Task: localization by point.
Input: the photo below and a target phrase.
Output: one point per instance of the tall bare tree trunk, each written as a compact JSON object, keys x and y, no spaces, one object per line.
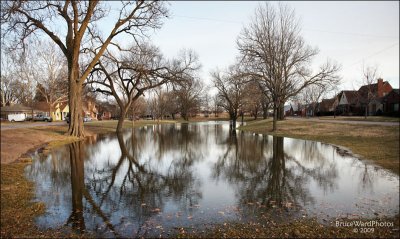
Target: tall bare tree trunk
{"x":281,"y":111}
{"x":75,"y":97}
{"x":75,"y":109}
{"x":121,"y":119}
{"x":275,"y":117}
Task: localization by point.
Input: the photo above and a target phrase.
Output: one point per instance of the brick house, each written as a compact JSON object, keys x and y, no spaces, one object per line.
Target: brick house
{"x":390,"y":103}
{"x":372,"y":95}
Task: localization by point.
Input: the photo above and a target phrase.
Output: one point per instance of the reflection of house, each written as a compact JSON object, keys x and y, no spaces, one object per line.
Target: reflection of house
{"x":15,"y":109}
{"x":390,"y":103}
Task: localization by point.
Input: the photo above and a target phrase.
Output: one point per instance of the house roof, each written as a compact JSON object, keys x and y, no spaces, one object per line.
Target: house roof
{"x":326,"y":104}
{"x":297,"y":107}
{"x":351,"y":96}
{"x":41,"y":106}
{"x":63,"y":105}
{"x":16,"y":107}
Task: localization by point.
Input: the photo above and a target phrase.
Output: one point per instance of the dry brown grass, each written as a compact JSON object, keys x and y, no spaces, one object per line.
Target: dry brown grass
{"x":372,"y":142}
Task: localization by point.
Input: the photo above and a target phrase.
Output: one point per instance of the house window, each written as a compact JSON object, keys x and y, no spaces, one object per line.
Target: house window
{"x":396,"y":107}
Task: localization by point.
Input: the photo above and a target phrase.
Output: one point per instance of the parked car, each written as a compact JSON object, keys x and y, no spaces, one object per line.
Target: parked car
{"x":42,"y":118}
{"x":87,"y":119}
{"x":16,"y":117}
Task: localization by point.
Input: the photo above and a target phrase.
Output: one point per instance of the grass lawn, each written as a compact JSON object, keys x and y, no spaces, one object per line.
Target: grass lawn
{"x":362,"y":118}
{"x":379,"y":144}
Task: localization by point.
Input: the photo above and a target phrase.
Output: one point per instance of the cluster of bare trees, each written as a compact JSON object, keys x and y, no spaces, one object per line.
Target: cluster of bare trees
{"x":82,"y":43}
{"x":274,"y":54}
{"x":128,"y":74}
{"x":273,"y":65}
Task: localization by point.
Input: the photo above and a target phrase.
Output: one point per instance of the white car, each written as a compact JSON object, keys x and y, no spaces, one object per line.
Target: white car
{"x":16,"y":117}
{"x":87,"y":119}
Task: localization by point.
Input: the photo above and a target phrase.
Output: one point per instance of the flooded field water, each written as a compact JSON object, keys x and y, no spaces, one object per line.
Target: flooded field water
{"x":157,"y":179}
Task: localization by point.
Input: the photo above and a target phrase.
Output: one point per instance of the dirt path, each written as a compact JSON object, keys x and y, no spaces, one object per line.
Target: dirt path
{"x":346,"y":121}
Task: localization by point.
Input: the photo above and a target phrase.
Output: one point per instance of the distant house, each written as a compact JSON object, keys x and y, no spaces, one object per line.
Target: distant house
{"x":64,"y":110}
{"x":349,"y":103}
{"x":288,"y":110}
{"x":106,"y":111}
{"x":41,"y":108}
{"x":15,"y":109}
{"x":296,"y":109}
{"x":390,"y":103}
{"x":327,"y":106}
{"x":373,"y":95}
{"x":58,"y":112}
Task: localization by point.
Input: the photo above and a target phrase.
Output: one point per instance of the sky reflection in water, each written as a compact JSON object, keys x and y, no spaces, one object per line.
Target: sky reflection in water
{"x":156,"y":179}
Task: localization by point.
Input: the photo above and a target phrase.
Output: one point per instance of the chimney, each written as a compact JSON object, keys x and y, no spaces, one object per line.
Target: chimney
{"x":380,"y":87}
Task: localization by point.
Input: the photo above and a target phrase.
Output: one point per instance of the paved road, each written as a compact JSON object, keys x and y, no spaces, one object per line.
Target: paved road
{"x":22,"y":125}
{"x":346,"y":121}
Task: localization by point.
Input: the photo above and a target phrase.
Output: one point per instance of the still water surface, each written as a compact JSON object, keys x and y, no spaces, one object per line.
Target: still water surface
{"x":156,"y":179}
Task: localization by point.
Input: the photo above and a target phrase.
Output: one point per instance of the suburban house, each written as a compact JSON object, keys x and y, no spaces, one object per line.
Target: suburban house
{"x":63,"y":109}
{"x":327,"y":106}
{"x":372,"y":95}
{"x":15,"y":109}
{"x":349,"y":103}
{"x":41,"y":108}
{"x":106,"y":111}
{"x":58,"y":112}
{"x":295,"y":109}
{"x":390,"y":103}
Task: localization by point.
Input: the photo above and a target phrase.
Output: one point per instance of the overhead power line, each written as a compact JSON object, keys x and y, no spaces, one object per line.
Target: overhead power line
{"x":374,"y":54}
{"x":305,"y":29}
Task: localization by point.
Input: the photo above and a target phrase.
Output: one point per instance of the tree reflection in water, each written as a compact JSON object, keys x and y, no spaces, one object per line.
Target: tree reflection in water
{"x":127,"y":185}
{"x":131,"y":188}
{"x":265,"y":176}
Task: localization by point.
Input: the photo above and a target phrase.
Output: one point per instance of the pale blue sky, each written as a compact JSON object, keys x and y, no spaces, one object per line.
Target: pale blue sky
{"x":349,"y":32}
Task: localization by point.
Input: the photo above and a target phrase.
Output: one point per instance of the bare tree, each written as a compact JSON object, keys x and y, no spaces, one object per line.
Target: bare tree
{"x":367,"y":93}
{"x":230,"y":87}
{"x":9,"y":81}
{"x":275,"y":53}
{"x":128,"y":74}
{"x":22,"y":19}
{"x":51,"y":73}
{"x":253,"y":99}
{"x":189,"y":95}
{"x":216,"y":107}
{"x":312,"y":94}
{"x":138,"y":108}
